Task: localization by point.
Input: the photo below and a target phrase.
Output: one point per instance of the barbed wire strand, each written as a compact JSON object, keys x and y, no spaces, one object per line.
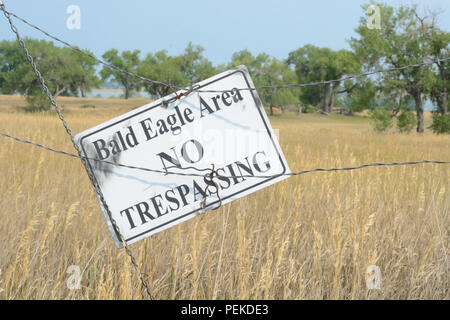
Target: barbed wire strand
{"x":316,"y":83}
{"x":376,"y":164}
{"x":109,"y":65}
{"x":281,"y":86}
{"x":211,"y":174}
{"x":69,"y":132}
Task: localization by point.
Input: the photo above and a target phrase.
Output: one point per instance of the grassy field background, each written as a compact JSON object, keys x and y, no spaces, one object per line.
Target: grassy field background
{"x":310,"y":237}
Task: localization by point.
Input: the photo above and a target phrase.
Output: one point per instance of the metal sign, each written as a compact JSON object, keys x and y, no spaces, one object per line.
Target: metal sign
{"x":226,"y":130}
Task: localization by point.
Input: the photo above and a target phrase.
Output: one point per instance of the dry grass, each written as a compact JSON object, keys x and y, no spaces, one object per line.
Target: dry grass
{"x":15,"y":104}
{"x":309,"y":237}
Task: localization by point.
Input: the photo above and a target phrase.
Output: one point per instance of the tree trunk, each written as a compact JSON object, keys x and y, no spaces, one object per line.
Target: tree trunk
{"x":299,"y":112}
{"x":271,"y":109}
{"x":326,"y":89}
{"x":332,"y":99}
{"x":419,"y":112}
{"x":444,"y":93}
{"x":444,"y":101}
{"x":59,"y":91}
{"x":127,"y":93}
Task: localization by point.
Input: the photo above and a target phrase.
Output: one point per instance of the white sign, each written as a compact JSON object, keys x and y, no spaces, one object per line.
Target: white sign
{"x":229,"y":130}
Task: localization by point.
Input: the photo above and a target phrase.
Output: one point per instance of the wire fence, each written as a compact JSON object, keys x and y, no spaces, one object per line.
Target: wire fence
{"x":90,"y":174}
{"x":375,"y":164}
{"x":73,"y":47}
{"x":189,"y":90}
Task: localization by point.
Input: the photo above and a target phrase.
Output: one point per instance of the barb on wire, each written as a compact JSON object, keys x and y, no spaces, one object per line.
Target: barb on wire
{"x":176,"y":96}
{"x":190,"y":90}
{"x":69,"y":132}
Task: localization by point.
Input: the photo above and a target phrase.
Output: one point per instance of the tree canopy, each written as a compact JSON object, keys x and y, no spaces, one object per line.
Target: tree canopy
{"x":406,"y":36}
{"x":65,"y":71}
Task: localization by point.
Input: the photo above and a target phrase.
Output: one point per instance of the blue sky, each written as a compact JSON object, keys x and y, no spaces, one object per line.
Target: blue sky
{"x":221,"y":27}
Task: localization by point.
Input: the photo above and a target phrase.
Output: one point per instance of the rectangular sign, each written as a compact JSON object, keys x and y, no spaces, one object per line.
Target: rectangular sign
{"x":227,"y":129}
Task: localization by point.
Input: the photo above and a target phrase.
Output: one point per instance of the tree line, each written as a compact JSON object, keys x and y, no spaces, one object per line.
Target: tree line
{"x":405,"y":37}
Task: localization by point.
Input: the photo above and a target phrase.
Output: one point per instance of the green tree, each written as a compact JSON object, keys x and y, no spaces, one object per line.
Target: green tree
{"x":397,"y":43}
{"x":268,"y":71}
{"x":166,"y":69}
{"x":382,"y":119}
{"x":128,"y":61}
{"x":83,"y":72}
{"x":406,"y":121}
{"x":275,"y":72}
{"x":362,"y":96}
{"x":181,"y":70}
{"x":194,"y":65}
{"x":314,"y":64}
{"x":12,"y":64}
{"x":64,"y":71}
{"x":437,"y":47}
{"x":53,"y":63}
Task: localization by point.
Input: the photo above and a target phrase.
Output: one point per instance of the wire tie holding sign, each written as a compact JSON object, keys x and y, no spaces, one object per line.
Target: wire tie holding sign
{"x":211,"y":179}
{"x":212,"y":174}
{"x":178,"y":96}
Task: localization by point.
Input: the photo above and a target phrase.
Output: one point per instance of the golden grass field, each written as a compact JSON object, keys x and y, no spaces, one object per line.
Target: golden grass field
{"x":310,"y":237}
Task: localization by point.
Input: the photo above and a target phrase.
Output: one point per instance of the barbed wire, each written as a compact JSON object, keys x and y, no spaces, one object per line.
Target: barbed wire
{"x":316,"y":83}
{"x":69,"y":132}
{"x":109,"y":65}
{"x":376,"y":164}
{"x":189,"y":90}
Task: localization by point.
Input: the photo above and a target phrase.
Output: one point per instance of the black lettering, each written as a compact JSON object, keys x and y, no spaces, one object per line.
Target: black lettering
{"x":124,"y":146}
{"x":158,"y":205}
{"x":115,"y":148}
{"x":144,"y":211}
{"x":175,"y":161}
{"x":256,"y":165}
{"x":233,"y":174}
{"x":183,"y":194}
{"x":223,"y":178}
{"x":162,"y":126}
{"x":236,"y":95}
{"x":128,"y":214}
{"x":198,"y":190}
{"x":204,"y":106}
{"x":100,"y":148}
{"x":247,"y":169}
{"x":225,"y":97}
{"x":148,"y":129}
{"x":214,"y":99}
{"x":172,"y":200}
{"x":199,"y":150}
{"x":177,"y":109}
{"x":187,"y":113}
{"x":208,"y":181}
{"x":131,"y":138}
{"x":172,"y":120}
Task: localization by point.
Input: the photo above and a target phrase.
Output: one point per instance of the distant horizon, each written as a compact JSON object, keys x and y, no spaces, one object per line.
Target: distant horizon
{"x":275,"y":28}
